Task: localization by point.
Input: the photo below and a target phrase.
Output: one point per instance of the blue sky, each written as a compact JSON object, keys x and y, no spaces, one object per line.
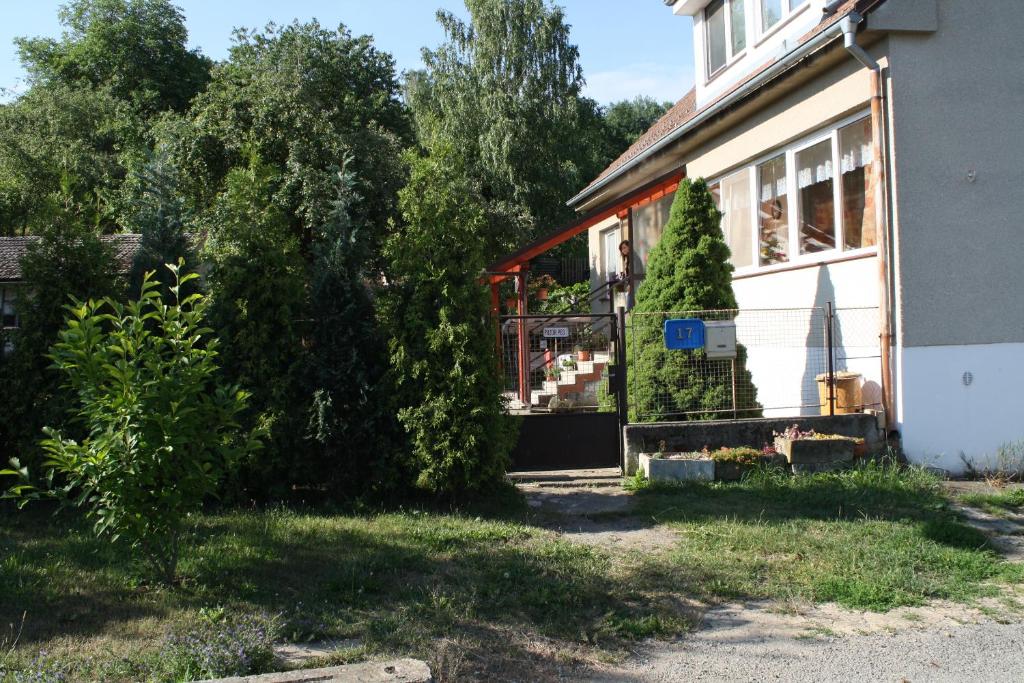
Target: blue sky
{"x":627,"y":47}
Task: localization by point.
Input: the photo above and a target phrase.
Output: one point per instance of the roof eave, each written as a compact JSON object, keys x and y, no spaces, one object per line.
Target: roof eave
{"x":795,"y":55}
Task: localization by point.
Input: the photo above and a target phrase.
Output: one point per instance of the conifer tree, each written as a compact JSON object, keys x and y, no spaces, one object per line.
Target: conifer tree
{"x":160,"y":218}
{"x":351,"y":415}
{"x":689,"y":271}
{"x":442,"y":349}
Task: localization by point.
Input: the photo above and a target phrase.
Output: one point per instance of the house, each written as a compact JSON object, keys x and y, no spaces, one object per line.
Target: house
{"x":13,"y":249}
{"x":866,"y":154}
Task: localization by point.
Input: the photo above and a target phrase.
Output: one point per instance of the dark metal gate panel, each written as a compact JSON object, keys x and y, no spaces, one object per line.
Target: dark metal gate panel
{"x":567,"y":441}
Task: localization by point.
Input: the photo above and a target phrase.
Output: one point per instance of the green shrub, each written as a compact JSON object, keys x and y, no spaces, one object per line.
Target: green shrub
{"x":689,"y":271}
{"x":443,"y":339}
{"x":162,"y":427}
{"x":741,"y":456}
{"x":68,"y":260}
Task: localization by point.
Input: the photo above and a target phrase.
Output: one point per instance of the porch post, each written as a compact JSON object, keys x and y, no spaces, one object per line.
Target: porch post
{"x":496,"y":317}
{"x":524,"y":343}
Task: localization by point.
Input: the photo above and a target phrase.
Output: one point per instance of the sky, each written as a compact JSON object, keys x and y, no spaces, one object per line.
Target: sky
{"x":627,"y":47}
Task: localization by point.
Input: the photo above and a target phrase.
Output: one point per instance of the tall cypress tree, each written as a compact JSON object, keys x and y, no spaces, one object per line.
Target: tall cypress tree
{"x":689,"y":271}
{"x":352,"y":424}
{"x":442,"y":348}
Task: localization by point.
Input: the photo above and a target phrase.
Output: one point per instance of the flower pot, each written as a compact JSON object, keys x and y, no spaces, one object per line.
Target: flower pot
{"x":584,"y":356}
{"x":726,"y":470}
{"x":511,"y":303}
{"x":542,"y":294}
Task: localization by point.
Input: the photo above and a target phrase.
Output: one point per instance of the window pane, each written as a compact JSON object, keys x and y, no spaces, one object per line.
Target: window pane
{"x":732,"y":197}
{"x":817,"y":198}
{"x":648,"y":224}
{"x":793,"y":4}
{"x":610,"y":248}
{"x":771,"y":13}
{"x":8,"y":316}
{"x":773,"y":211}
{"x":738,"y":19}
{"x":714,"y":17}
{"x":857,"y":156}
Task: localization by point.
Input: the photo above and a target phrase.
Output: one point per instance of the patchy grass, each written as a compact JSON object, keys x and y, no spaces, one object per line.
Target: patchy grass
{"x":873,"y":538}
{"x":486,"y":598}
{"x":1011,"y":501}
{"x":398,"y":583}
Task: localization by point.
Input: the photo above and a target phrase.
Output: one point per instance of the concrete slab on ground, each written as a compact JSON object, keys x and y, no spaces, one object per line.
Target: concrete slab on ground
{"x":394,"y":671}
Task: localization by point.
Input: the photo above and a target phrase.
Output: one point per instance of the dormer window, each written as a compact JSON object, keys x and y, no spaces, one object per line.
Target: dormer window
{"x":726,"y":24}
{"x":774,"y":11}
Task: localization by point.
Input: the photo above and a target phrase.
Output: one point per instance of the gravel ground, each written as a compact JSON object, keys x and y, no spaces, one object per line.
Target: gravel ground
{"x":988,"y":652}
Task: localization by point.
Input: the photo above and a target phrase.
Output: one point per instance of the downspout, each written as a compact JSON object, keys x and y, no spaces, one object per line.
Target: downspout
{"x":849,"y":24}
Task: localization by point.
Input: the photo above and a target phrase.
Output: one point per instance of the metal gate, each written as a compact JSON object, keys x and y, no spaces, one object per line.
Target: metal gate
{"x":561,"y":377}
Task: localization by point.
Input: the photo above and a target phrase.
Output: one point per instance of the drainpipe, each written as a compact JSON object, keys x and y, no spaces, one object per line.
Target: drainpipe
{"x":848,"y":25}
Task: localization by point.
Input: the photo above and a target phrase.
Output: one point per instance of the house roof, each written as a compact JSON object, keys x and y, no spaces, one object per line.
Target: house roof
{"x":686,"y":110}
{"x":13,"y":249}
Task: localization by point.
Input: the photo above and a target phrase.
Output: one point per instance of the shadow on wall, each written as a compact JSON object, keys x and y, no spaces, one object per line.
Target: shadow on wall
{"x":816,"y":347}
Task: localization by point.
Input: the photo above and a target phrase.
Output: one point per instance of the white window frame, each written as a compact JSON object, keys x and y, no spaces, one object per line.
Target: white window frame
{"x":760,"y":32}
{"x":730,"y":58}
{"x":607,"y":272}
{"x":795,"y":258}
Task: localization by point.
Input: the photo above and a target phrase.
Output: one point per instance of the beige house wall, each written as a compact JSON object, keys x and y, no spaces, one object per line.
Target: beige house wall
{"x":831,"y":96}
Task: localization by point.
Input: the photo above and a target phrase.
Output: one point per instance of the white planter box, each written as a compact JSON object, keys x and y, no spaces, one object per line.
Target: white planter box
{"x":669,"y":469}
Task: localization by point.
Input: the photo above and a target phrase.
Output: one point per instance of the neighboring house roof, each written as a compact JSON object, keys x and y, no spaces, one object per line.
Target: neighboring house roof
{"x":13,"y":249}
{"x":685,"y":109}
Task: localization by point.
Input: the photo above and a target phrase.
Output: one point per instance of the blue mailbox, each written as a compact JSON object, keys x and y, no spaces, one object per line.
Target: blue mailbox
{"x":685,"y":334}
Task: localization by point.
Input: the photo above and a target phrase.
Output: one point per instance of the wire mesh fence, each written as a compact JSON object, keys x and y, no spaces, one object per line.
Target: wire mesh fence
{"x":557,"y":362}
{"x":787,"y":362}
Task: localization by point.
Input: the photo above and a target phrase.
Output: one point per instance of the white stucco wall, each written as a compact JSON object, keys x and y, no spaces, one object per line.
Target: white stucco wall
{"x":786,"y":347}
{"x":947,"y":423}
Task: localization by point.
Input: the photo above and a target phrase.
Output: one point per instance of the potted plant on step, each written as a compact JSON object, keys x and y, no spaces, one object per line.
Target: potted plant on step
{"x":585,"y":345}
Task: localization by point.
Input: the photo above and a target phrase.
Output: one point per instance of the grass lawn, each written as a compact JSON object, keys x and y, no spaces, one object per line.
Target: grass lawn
{"x":491,"y":597}
{"x":872,"y":538}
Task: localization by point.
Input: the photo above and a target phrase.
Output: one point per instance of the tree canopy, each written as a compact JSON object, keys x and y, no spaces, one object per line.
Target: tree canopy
{"x":137,"y":49}
{"x":504,"y":93}
{"x":302,"y":98}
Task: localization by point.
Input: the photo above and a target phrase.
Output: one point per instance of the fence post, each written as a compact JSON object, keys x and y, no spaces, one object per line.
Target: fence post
{"x":621,"y":389}
{"x":830,"y":342}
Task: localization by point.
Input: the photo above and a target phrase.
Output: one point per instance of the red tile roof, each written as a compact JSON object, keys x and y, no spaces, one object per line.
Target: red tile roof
{"x":685,"y":109}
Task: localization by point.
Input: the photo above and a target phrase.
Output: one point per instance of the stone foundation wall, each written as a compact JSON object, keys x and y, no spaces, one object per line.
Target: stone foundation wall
{"x":693,"y":436}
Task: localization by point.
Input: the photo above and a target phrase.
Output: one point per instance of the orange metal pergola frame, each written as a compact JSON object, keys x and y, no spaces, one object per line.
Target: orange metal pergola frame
{"x":517,"y":264}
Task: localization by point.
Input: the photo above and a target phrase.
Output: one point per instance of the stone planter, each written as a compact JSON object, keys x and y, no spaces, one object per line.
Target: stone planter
{"x":816,"y":455}
{"x":727,"y":470}
{"x":669,"y":468}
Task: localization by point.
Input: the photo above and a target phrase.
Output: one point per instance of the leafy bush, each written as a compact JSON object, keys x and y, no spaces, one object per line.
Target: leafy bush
{"x":689,"y":271}
{"x":68,"y":260}
{"x":442,"y":349}
{"x":162,"y":427}
{"x":218,"y":646}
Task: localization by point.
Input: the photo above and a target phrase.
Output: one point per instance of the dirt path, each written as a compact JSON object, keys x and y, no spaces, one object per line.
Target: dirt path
{"x":590,"y":506}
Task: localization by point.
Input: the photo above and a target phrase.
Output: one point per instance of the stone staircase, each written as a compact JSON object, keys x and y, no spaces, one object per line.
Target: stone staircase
{"x":577,"y":381}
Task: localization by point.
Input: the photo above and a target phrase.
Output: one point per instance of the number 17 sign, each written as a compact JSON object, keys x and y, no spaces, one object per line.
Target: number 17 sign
{"x":684,"y":334}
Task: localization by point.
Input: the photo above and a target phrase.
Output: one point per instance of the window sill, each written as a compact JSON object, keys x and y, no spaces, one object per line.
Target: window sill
{"x":770,"y":33}
{"x":806,"y":262}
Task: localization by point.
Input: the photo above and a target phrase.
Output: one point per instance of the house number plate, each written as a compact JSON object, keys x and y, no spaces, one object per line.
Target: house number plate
{"x":685,"y":334}
{"x":556,"y":332}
